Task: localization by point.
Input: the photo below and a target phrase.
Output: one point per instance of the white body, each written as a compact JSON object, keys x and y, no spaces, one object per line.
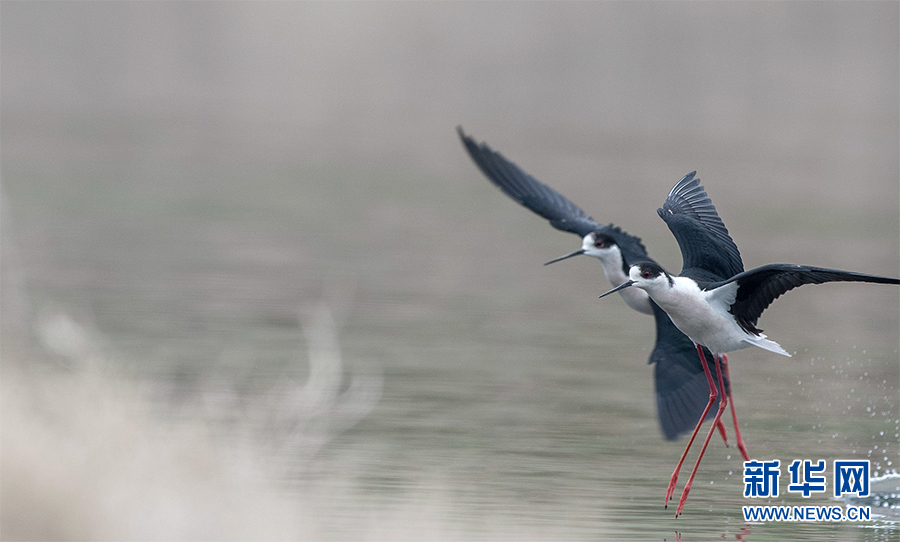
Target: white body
{"x":613,"y":268}
{"x":702,"y":315}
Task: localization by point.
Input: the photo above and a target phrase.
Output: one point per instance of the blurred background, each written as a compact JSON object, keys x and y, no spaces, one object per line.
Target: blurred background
{"x":253,"y":287}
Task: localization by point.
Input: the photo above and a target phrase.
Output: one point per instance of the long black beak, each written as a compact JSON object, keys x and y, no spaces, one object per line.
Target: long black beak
{"x":576,"y":253}
{"x":622,"y":286}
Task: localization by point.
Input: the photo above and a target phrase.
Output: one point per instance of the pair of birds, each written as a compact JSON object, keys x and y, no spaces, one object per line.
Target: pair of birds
{"x":709,"y":309}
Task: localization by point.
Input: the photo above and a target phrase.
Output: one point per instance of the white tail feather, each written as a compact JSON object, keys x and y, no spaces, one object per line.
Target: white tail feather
{"x":766,"y":344}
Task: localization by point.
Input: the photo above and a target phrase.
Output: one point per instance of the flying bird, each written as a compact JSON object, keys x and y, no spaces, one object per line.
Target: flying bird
{"x":713,"y":300}
{"x":682,"y":388}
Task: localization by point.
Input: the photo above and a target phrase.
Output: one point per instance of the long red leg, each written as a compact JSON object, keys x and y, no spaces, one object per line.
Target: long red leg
{"x":713,"y":393}
{"x":722,"y":403}
{"x":721,"y":427}
{"x":740,"y":440}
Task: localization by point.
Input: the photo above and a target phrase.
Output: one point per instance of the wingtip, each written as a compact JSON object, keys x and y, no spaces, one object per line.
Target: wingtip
{"x":690,"y":178}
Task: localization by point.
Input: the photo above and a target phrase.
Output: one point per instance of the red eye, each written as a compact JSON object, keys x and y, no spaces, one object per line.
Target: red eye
{"x":645,"y":274}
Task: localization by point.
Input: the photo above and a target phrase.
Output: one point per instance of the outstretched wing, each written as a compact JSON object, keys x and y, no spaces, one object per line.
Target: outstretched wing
{"x":528,"y":191}
{"x":758,"y":287}
{"x":701,"y":234}
{"x":682,"y":390}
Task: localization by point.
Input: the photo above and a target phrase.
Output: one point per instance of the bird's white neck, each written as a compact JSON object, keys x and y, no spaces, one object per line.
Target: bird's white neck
{"x":612,"y":262}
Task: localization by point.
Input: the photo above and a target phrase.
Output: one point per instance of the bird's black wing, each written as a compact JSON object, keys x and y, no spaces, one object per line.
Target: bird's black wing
{"x":528,"y":191}
{"x":681,"y":387}
{"x":701,"y":234}
{"x":682,"y":390}
{"x":758,"y":287}
{"x":631,"y":247}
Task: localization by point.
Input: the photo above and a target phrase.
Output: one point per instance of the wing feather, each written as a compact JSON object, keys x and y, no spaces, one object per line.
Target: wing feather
{"x":682,"y":390}
{"x":759,"y":287}
{"x":701,"y":234}
{"x":528,"y":191}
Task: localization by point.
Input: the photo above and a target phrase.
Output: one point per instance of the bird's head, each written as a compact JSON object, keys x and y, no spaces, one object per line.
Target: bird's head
{"x":596,"y":244}
{"x":648,"y":276}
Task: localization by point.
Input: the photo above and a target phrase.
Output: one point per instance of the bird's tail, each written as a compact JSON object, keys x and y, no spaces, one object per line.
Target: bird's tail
{"x":764,"y":343}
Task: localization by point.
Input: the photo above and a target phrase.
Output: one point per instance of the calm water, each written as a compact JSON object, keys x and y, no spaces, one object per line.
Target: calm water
{"x":475,"y":394}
